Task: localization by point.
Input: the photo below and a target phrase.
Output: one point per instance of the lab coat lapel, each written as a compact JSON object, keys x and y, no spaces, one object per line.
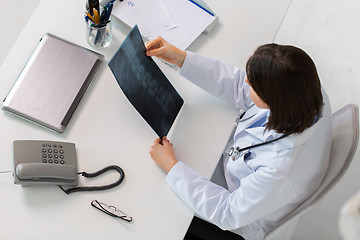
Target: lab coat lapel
{"x":258,"y":133}
{"x":250,"y":117}
{"x":267,"y":135}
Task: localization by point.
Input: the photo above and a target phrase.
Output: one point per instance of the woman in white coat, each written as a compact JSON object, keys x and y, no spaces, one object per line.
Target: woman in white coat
{"x":286,"y":113}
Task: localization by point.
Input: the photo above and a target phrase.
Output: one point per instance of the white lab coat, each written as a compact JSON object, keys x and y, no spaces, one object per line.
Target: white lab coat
{"x":270,"y":183}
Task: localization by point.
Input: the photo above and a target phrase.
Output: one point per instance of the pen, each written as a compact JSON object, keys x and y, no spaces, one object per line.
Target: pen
{"x":89,"y":16}
{"x":103,"y":16}
{"x":109,"y":9}
{"x":96,"y":16}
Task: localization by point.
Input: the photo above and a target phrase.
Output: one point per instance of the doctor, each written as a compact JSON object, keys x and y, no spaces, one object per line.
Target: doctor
{"x":278,"y":152}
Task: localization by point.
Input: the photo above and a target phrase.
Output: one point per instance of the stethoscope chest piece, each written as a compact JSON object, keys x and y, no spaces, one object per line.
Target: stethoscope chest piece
{"x":235,"y":153}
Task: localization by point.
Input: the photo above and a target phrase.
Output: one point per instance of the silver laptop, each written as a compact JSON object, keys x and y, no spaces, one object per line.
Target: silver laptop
{"x":52,"y":83}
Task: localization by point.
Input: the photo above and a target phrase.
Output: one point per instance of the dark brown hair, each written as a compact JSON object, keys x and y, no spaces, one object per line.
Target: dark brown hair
{"x":285,"y":78}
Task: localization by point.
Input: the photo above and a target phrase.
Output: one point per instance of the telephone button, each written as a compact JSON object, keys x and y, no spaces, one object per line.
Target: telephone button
{"x":50,"y":161}
{"x":44,"y":161}
{"x":62,"y":161}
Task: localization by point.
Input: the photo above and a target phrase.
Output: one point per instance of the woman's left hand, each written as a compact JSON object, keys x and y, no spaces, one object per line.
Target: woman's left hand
{"x":163,"y":154}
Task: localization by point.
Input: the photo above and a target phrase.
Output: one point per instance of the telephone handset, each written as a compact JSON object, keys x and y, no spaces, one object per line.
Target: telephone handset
{"x":44,"y":162}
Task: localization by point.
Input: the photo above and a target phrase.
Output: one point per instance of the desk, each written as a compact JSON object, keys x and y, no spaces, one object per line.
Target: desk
{"x":108,"y":130}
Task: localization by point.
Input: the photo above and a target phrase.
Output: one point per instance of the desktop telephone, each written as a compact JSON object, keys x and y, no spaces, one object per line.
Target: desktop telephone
{"x":50,"y":162}
{"x":44,"y":162}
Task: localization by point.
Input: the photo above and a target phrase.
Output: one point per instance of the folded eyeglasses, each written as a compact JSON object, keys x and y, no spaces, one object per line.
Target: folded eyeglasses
{"x":111,"y":210}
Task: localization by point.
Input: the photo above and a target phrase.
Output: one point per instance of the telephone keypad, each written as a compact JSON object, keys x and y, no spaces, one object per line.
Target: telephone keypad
{"x":50,"y":153}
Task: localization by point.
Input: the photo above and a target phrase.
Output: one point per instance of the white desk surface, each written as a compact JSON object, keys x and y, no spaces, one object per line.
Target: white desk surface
{"x":108,"y":130}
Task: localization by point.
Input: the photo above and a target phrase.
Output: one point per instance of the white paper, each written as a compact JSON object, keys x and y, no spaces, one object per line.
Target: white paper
{"x":151,"y":16}
{"x":190,"y":22}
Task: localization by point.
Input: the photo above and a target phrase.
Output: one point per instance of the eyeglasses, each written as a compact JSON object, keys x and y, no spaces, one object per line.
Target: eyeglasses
{"x":111,"y":210}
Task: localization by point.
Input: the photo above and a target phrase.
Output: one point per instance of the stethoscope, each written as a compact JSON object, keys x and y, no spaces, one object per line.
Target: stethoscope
{"x":236,"y":152}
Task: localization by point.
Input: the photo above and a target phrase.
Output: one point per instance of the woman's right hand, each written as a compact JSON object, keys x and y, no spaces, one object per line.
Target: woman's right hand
{"x":160,"y":48}
{"x":162,"y":153}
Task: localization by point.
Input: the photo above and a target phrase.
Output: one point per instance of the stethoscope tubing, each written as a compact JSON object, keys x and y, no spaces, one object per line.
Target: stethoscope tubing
{"x":239,"y":150}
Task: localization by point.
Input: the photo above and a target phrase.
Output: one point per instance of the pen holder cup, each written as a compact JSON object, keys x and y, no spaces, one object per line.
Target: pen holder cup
{"x":99,"y":35}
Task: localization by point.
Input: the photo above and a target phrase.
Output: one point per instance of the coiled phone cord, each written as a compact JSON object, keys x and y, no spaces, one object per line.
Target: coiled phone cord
{"x":95,"y":174}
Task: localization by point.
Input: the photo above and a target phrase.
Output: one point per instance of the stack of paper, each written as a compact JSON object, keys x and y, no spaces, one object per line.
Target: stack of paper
{"x":180,"y":22}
